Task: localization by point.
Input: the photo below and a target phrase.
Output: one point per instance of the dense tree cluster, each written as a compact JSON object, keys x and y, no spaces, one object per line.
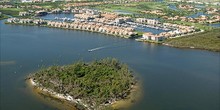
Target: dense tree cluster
{"x":98,"y":82}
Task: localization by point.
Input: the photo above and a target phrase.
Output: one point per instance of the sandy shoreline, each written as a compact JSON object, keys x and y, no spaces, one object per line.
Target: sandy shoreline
{"x":124,"y":103}
{"x":54,"y":94}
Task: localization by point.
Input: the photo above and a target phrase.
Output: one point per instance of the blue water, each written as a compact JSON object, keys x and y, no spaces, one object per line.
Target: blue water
{"x":215,"y":25}
{"x":200,"y":6}
{"x":196,"y":15}
{"x":172,"y":7}
{"x":172,"y":78}
{"x":152,"y":30}
{"x":159,"y":0}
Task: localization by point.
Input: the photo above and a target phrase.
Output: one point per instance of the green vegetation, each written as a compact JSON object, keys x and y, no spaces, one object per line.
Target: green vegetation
{"x":11,"y":11}
{"x":134,"y":8}
{"x":3,"y":17}
{"x":137,"y":9}
{"x":151,"y":6}
{"x":197,"y":25}
{"x":139,"y":33}
{"x":209,"y":40}
{"x":48,"y":5}
{"x":96,"y":83}
{"x":178,"y":12}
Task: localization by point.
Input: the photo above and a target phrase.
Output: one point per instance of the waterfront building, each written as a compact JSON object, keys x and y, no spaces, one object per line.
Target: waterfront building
{"x":26,"y":1}
{"x":57,"y":0}
{"x":152,"y":21}
{"x":57,"y":10}
{"x":47,"y":0}
{"x":37,"y":1}
{"x":86,"y":14}
{"x":12,"y":20}
{"x":153,"y":37}
{"x":147,"y":36}
{"x":157,"y":38}
{"x":24,"y":13}
{"x":148,"y":21}
{"x":141,"y":20}
{"x":25,"y":21}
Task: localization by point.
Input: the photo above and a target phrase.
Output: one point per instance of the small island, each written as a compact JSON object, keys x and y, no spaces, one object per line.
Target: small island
{"x":99,"y":84}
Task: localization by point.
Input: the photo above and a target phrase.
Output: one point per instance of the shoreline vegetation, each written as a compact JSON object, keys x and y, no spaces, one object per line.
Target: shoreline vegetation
{"x":103,"y":84}
{"x":48,"y":99}
{"x":2,"y":17}
{"x":209,"y":40}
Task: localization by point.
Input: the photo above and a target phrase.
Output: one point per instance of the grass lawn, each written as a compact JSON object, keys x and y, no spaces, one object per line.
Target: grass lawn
{"x":209,"y":40}
{"x":198,"y":25}
{"x":50,"y":5}
{"x":137,"y":8}
{"x":132,"y":7}
{"x":11,"y":11}
{"x":45,"y":5}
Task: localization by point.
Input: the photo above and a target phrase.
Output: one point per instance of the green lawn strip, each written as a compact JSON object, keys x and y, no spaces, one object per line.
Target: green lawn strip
{"x":11,"y":11}
{"x":197,"y":25}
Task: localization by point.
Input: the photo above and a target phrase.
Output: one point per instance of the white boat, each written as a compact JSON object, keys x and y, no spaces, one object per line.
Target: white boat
{"x":90,"y":50}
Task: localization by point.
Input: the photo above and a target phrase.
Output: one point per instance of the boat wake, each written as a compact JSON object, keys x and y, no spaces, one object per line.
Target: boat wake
{"x":114,"y":45}
{"x":98,"y":48}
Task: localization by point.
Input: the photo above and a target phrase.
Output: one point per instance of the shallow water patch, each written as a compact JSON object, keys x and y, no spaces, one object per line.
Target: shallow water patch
{"x":3,"y":63}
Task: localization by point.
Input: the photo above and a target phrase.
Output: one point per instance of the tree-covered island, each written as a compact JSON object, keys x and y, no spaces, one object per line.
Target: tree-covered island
{"x":94,"y":85}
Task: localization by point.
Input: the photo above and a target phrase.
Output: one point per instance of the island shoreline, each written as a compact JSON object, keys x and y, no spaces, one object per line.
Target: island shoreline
{"x":54,"y":94}
{"x":134,"y":96}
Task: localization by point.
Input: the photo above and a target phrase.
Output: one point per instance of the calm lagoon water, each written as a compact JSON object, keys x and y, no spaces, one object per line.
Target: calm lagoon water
{"x":173,"y":79}
{"x":197,"y":15}
{"x":200,"y":6}
{"x":217,"y":25}
{"x":172,"y":7}
{"x":148,"y":29}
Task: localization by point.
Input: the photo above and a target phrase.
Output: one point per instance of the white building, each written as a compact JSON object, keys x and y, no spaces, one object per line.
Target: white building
{"x":150,"y":36}
{"x":148,"y":21}
{"x":152,"y":21}
{"x":47,"y":0}
{"x":147,"y":36}
{"x":57,"y":0}
{"x":37,"y":0}
{"x":24,"y":13}
{"x":141,"y":20}
{"x":26,"y":1}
